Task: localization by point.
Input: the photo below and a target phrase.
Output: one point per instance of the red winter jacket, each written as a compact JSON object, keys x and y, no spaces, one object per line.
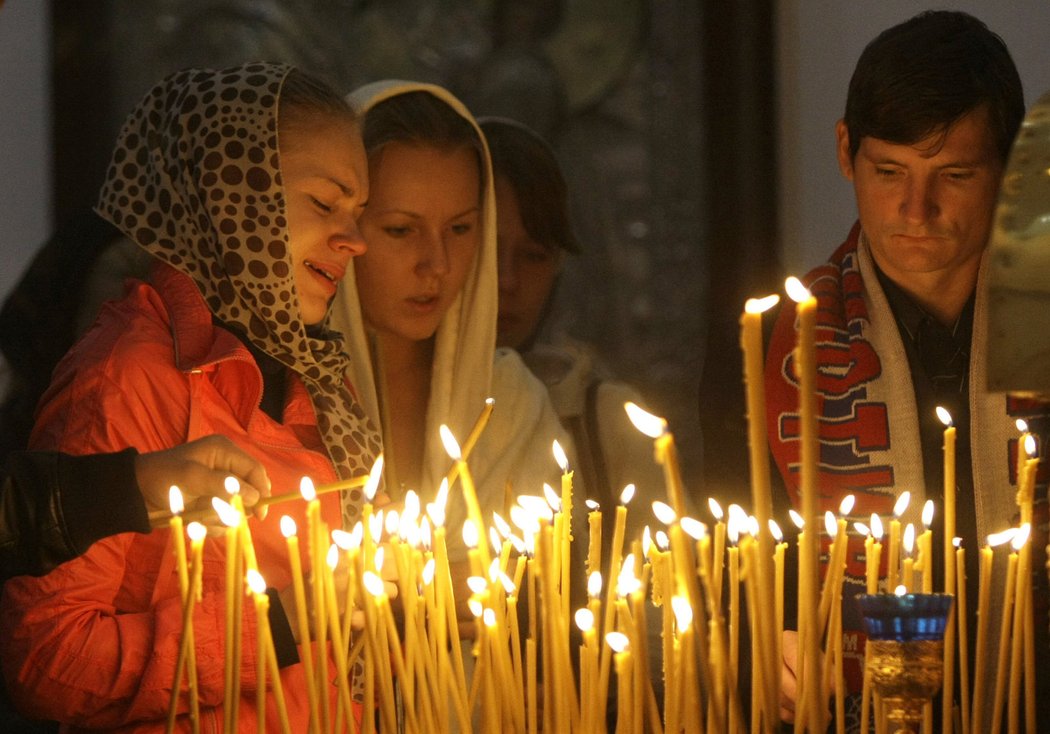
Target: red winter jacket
{"x":94,"y":643}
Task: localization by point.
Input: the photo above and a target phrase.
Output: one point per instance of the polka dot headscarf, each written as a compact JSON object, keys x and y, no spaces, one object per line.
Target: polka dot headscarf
{"x":195,"y":180}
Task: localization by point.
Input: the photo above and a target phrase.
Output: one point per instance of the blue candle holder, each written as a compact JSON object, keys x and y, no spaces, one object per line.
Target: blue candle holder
{"x":905,"y":651}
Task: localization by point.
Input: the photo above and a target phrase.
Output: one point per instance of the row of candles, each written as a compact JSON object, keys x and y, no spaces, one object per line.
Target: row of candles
{"x":524,"y":678}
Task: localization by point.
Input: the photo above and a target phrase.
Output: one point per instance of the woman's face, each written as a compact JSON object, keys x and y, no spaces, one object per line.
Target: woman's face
{"x":325,"y":176}
{"x":423,"y":228}
{"x":527,"y":271}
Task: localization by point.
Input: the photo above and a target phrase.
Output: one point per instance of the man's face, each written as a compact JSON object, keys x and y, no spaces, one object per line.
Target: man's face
{"x":926,"y":209}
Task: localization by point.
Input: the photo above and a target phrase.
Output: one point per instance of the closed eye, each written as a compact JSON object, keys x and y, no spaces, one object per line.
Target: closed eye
{"x":320,"y":205}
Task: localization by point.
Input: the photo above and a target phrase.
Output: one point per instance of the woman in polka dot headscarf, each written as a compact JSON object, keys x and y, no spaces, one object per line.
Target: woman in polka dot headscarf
{"x":245,"y":185}
{"x":423,"y":302}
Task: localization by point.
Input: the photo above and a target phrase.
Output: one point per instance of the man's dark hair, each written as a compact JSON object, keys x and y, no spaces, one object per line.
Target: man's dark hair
{"x":918,"y":78}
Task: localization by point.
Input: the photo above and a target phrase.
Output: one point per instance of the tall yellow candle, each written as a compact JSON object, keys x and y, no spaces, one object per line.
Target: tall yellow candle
{"x":466,"y":483}
{"x":872,"y":560}
{"x":566,"y":529}
{"x":893,"y":561}
{"x":758,"y":454}
{"x":963,"y":636}
{"x":948,"y":696}
{"x":1003,"y":665}
{"x":197,"y":533}
{"x":179,"y":543}
{"x":231,"y":520}
{"x":266,"y":658}
{"x":908,"y":564}
{"x":980,"y":667}
{"x":594,"y":538}
{"x":1020,"y":545}
{"x":315,"y":541}
{"x":288,"y":529}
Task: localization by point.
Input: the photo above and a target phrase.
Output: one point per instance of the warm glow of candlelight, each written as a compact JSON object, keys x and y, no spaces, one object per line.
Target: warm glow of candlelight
{"x":391,"y":522}
{"x":592,"y":505}
{"x":774,"y":529}
{"x":488,"y":616}
{"x":470,"y":534}
{"x":255,"y":581}
{"x":288,"y":528}
{"x":341,"y":538}
{"x":846,"y":506}
{"x":232,"y":485}
{"x":584,"y":619}
{"x":594,"y":584}
{"x":502,"y":526}
{"x":627,"y":494}
{"x":450,"y":443}
{"x":908,"y":541}
{"x":927,"y":514}
{"x":374,"y":476}
{"x":901,"y":590}
{"x":1029,"y":445}
{"x":373,"y":584}
{"x":617,"y":641}
{"x":196,"y":531}
{"x":716,"y":509}
{"x":957,"y":541}
{"x":306,"y":489}
{"x":796,"y":519}
{"x":378,"y":559}
{"x":683,"y":612}
{"x":861,"y":528}
{"x":663,"y":542}
{"x":691,"y":527}
{"x":664,"y":512}
{"x":375,"y":526}
{"x":830,"y":524}
{"x":552,"y":498}
{"x":227,"y":515}
{"x":476,"y":608}
{"x":559,"y":456}
{"x":761,"y":305}
{"x":1004,"y":536}
{"x":944,"y":416}
{"x":477,"y":584}
{"x":795,"y":290}
{"x":175,"y":500}
{"x":647,"y":542}
{"x":901,"y":505}
{"x":651,"y":425}
{"x":1021,"y":536}
{"x":332,"y":558}
{"x":876,"y":526}
{"x":428,"y":571}
{"x":1022,"y":425}
{"x":627,"y":583}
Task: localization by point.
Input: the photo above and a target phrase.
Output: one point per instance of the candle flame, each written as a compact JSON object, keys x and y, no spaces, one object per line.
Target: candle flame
{"x":944,"y":416}
{"x":196,"y":531}
{"x":450,"y":443}
{"x":391,"y":522}
{"x":489,"y":617}
{"x":796,"y":519}
{"x":373,"y":585}
{"x":232,"y":485}
{"x":410,"y":513}
{"x":584,"y":619}
{"x":525,"y":521}
{"x":501,"y":525}
{"x":627,"y":583}
{"x":908,"y":541}
{"x":475,"y":607}
{"x":846,"y":506}
{"x":341,"y":538}
{"x":1022,"y":425}
{"x":357,"y":534}
{"x":553,"y":500}
{"x":1004,"y":536}
{"x":1029,"y":445}
{"x":651,"y":425}
{"x":1021,"y":536}
{"x":683,"y":612}
{"x":661,"y":537}
{"x":774,"y":529}
{"x":428,"y":571}
{"x":255,"y":581}
{"x":494,"y":571}
{"x":332,"y":558}
{"x":379,"y":557}
{"x":901,"y":504}
{"x":927,"y":514}
{"x":470,"y":534}
{"x":876,"y":526}
{"x":716,"y":509}
{"x":664,"y":512}
{"x":374,"y":477}
{"x":559,"y":456}
{"x":375,"y":526}
{"x":288,"y":527}
{"x":617,"y":641}
{"x":592,"y":505}
{"x":761,"y":305}
{"x":627,"y":494}
{"x":861,"y":528}
{"x":957,"y":541}
{"x":901,"y":590}
{"x":508,"y":583}
{"x":594,"y":584}
{"x":227,"y":515}
{"x":647,"y":541}
{"x":477,"y":584}
{"x":830,"y":524}
{"x":795,"y":290}
{"x":306,"y":489}
{"x":693,"y":528}
{"x":175,"y":500}
{"x":425,"y":533}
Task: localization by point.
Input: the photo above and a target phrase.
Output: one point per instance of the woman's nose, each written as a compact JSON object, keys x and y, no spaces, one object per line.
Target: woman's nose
{"x":348,"y":239}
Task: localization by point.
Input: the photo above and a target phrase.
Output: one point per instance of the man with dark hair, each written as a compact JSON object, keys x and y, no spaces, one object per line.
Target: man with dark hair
{"x":933,"y":106}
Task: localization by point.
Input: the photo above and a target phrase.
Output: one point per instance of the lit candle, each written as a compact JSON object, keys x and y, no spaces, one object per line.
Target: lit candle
{"x":908,"y":564}
{"x":566,"y":527}
{"x":778,"y":605}
{"x":924,"y":543}
{"x":266,"y":658}
{"x":733,"y":563}
{"x":984,"y":594}
{"x":872,"y":559}
{"x":806,"y":374}
{"x":666,"y":455}
{"x":1019,"y":543}
{"x":179,"y":543}
{"x":615,"y":560}
{"x":187,"y":651}
{"x":288,"y":529}
{"x":963,"y":627}
{"x":231,"y":519}
{"x":466,"y":483}
{"x":1003,"y":665}
{"x":316,"y":554}
{"x":336,"y":633}
{"x":893,"y":565}
{"x":594,"y":537}
{"x":947,"y":698}
{"x":718,"y":544}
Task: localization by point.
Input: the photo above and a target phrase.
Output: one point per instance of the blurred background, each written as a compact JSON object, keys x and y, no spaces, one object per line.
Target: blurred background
{"x":697,"y":136}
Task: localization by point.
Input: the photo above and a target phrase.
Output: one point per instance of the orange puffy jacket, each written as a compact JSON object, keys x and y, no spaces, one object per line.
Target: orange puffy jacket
{"x":94,"y":643}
